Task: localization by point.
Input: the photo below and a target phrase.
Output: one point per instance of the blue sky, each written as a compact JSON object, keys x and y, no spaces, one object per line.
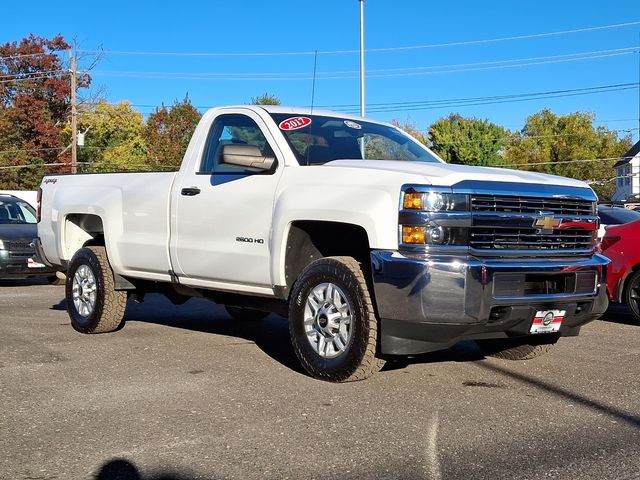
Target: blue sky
{"x":252,"y":26}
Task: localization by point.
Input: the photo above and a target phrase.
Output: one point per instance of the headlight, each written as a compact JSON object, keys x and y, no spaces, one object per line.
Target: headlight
{"x":435,"y":201}
{"x":434,"y":235}
{"x":1,"y":245}
{"x":433,"y":217}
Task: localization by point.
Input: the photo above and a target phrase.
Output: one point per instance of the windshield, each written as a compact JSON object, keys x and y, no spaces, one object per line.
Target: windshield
{"x":617,"y":215}
{"x":317,"y":139}
{"x":16,"y":213}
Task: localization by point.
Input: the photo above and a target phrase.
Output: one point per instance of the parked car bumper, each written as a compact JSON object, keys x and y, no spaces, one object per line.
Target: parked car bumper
{"x":15,"y":265}
{"x":429,"y":302}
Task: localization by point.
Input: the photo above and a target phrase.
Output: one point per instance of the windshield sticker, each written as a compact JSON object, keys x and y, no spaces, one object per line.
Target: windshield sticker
{"x":294,"y":123}
{"x":351,"y":124}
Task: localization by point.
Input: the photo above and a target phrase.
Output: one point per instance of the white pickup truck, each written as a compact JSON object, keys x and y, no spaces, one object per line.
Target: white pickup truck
{"x":366,"y":240}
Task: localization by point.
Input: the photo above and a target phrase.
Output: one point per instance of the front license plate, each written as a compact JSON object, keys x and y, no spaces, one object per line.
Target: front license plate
{"x":546,"y":321}
{"x":33,"y":264}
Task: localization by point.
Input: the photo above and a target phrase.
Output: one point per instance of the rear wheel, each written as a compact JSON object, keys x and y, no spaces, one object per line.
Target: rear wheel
{"x":246,"y":314}
{"x":524,"y":348}
{"x":632,"y":295}
{"x":332,"y":322}
{"x":93,"y":304}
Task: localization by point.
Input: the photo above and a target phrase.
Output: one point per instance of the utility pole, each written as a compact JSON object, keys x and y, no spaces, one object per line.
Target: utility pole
{"x":74,"y":112}
{"x":362,"y":108}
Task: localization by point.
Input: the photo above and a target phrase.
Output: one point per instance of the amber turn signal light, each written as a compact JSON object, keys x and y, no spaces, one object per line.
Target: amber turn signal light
{"x":413,"y":201}
{"x":415,"y":235}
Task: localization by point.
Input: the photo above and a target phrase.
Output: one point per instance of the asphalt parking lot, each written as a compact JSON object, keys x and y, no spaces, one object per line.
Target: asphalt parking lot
{"x":185,"y":393}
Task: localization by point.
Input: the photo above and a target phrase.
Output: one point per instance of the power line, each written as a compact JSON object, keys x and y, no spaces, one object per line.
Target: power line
{"x":372,"y":72}
{"x":500,"y":67}
{"x":517,"y":138}
{"x":490,"y":97}
{"x":504,"y":39}
{"x":31,"y":150}
{"x":348,"y":75}
{"x":605,"y":181}
{"x":449,"y":102}
{"x":4,"y":76}
{"x":370,"y":50}
{"x":25,"y":55}
{"x":34,"y":78}
{"x":496,"y":100}
{"x":68,"y":164}
{"x":562,"y":162}
{"x":515,"y":60}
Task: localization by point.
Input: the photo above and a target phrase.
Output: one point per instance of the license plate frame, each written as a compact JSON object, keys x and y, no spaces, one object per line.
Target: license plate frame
{"x":31,"y":263}
{"x":547,"y":321}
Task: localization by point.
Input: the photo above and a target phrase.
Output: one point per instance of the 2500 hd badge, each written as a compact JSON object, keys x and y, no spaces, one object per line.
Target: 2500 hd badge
{"x":250,"y":240}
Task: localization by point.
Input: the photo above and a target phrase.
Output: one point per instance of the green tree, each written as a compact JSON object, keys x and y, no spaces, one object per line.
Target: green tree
{"x":468,"y":141}
{"x":35,"y":92}
{"x":265,"y":99}
{"x":113,"y":138}
{"x":168,"y":132}
{"x":412,"y":129}
{"x":552,"y":143}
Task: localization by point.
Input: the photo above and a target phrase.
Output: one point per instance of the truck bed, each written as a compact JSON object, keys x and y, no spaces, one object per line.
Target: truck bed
{"x":138,"y":218}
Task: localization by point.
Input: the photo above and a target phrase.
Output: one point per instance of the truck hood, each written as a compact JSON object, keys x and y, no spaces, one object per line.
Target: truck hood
{"x":447,"y":175}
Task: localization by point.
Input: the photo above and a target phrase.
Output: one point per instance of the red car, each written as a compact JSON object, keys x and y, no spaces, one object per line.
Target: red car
{"x":621,"y":244}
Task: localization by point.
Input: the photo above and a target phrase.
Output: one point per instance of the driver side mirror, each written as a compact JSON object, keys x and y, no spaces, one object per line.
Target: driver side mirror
{"x":248,"y":156}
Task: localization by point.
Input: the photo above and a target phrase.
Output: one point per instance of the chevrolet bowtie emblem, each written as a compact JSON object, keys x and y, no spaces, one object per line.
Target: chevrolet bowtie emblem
{"x":547,"y":223}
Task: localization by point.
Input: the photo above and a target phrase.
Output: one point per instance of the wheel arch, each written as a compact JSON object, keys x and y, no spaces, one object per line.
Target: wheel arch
{"x":624,"y":283}
{"x":309,"y":240}
{"x":81,"y":230}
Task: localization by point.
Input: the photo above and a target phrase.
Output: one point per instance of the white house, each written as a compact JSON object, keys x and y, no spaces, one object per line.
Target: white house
{"x":628,"y":176}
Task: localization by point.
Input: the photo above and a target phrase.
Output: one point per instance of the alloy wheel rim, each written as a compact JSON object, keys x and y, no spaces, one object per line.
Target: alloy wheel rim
{"x":84,"y":291}
{"x":328,"y":320}
{"x":634,"y":291}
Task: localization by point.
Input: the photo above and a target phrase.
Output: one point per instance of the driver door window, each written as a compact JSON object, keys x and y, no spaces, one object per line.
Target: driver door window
{"x":230,"y":130}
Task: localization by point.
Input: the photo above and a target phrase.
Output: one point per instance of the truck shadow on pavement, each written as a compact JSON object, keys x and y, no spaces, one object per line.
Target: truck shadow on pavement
{"x":10,"y":283}
{"x":599,"y":407}
{"x":619,"y":313}
{"x":460,"y":352}
{"x":121,"y":469}
{"x":271,"y":335}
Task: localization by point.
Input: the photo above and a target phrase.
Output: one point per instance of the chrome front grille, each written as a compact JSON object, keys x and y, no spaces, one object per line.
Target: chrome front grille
{"x":536,"y":224}
{"x":516,"y":204}
{"x":529,"y":239}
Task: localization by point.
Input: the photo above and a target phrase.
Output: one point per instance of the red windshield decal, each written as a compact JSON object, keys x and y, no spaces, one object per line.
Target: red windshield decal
{"x":294,"y":123}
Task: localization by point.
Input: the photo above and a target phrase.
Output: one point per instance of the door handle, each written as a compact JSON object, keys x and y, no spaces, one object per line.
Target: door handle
{"x":190,"y":192}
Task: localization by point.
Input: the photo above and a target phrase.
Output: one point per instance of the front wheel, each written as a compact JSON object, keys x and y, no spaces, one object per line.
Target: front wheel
{"x":632,"y":295}
{"x":332,"y":322}
{"x":93,"y":303}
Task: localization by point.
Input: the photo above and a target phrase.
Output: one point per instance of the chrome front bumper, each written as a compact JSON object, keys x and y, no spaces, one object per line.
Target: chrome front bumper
{"x":429,"y":302}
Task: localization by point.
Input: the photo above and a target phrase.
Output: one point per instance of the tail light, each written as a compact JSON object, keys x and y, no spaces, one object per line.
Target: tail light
{"x":608,"y":241}
{"x":38,"y":209}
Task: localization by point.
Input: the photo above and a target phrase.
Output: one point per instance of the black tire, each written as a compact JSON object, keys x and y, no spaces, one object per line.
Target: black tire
{"x":522,"y":348}
{"x":631,"y":296}
{"x":109,"y":306}
{"x":246,"y":314}
{"x":359,"y":359}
